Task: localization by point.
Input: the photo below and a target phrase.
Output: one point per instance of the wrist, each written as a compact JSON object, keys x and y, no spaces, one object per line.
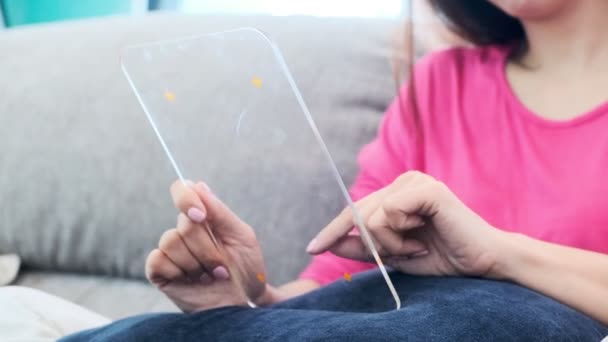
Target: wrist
{"x":271,"y":295}
{"x":511,"y":252}
{"x":292,"y":289}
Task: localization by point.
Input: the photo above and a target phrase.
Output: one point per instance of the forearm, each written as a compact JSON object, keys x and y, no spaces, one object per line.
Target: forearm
{"x":572,"y":276}
{"x":287,"y":291}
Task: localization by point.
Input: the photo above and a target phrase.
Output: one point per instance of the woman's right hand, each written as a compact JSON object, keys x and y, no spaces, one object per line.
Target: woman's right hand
{"x":211,"y":259}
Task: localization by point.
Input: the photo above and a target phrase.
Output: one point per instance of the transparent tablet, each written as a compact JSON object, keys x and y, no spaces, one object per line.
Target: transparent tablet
{"x":227,"y":110}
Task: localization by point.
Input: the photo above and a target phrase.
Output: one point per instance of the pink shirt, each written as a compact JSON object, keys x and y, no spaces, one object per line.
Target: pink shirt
{"x":520,"y":172}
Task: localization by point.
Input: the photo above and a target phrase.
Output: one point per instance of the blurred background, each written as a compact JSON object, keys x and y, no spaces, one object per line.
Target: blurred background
{"x":83,"y":179}
{"x":23,"y":12}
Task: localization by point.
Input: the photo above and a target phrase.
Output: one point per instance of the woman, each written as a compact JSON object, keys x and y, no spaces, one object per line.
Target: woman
{"x":508,"y":206}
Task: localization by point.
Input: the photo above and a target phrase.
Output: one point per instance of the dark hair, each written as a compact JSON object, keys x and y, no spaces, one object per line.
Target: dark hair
{"x":480,"y":22}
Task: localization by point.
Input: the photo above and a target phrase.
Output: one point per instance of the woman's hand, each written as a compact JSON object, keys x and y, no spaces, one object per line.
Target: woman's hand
{"x":211,"y":259}
{"x":419,"y":227}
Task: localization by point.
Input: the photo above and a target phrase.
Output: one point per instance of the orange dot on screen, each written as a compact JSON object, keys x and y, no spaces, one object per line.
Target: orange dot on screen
{"x":261,"y":278}
{"x":347,"y":276}
{"x":169,"y":96}
{"x":257,"y":82}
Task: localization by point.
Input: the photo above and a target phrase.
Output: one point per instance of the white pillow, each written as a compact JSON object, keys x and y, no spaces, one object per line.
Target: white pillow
{"x":34,"y":316}
{"x":9,"y":266}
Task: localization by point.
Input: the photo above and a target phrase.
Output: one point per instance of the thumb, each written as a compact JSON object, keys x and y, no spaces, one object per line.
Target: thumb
{"x":218,"y":214}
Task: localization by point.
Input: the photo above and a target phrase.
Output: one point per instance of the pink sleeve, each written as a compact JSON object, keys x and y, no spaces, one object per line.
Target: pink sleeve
{"x":380,"y":162}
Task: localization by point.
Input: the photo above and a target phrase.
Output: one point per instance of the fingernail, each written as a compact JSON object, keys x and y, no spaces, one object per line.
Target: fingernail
{"x":196,"y":215}
{"x":206,"y":186}
{"x":311,"y":245}
{"x":221,"y":273}
{"x":188,"y":182}
{"x":419,"y":254}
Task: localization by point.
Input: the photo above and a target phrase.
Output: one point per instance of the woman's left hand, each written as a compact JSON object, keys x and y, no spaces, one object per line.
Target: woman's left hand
{"x":419,"y":227}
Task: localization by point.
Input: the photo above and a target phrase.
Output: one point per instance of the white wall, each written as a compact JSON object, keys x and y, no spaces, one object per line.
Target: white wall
{"x":339,"y":8}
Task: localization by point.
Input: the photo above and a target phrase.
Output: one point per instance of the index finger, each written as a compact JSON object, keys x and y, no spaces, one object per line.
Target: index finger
{"x":334,"y":231}
{"x":187,"y":200}
{"x":344,"y":222}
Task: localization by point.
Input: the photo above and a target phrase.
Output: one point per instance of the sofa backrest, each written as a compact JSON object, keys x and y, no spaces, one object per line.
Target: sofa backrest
{"x":83,"y":181}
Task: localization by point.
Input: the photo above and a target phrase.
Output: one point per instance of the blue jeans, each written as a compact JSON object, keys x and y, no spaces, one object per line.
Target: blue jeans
{"x":435,"y":309}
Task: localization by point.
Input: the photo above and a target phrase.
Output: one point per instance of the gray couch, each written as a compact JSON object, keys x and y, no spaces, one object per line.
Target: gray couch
{"x":83,"y":181}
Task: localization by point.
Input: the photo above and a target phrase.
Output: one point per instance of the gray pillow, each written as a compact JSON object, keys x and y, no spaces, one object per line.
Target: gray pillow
{"x":84,"y":183}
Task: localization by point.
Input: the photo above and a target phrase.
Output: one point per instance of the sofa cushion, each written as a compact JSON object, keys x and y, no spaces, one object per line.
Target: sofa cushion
{"x":84,"y":183}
